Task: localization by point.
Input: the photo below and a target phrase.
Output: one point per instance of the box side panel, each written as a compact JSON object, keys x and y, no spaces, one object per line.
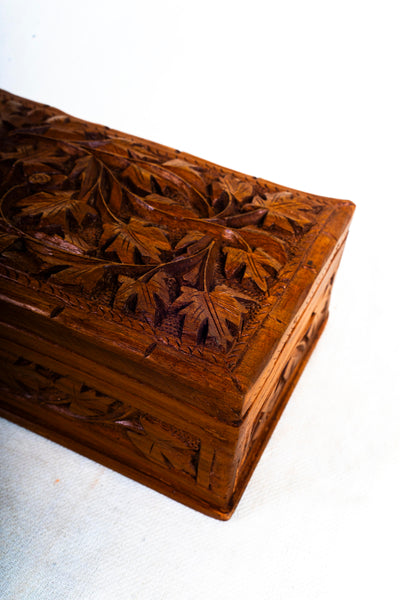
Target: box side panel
{"x":273,"y":396}
{"x":184,"y":455}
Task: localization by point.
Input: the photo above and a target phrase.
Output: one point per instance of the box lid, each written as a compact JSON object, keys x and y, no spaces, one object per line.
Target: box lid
{"x":185,"y":275}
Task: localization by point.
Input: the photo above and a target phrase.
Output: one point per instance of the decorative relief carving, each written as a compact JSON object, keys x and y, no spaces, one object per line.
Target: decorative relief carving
{"x":294,"y":361}
{"x":171,"y":241}
{"x":177,"y":272}
{"x":150,"y":438}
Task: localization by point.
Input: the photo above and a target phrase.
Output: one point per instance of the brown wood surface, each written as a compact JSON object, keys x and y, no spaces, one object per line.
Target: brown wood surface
{"x":156,"y":309}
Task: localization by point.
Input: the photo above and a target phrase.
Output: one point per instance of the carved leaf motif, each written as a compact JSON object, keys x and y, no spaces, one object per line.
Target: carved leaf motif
{"x":284,"y":211}
{"x":208,"y":313}
{"x":70,"y":244}
{"x":186,"y":170}
{"x":273,"y":245}
{"x":103,"y":198}
{"x":138,"y":175}
{"x":201,"y":253}
{"x":87,"y":170}
{"x":190,"y":241}
{"x":241,"y":190}
{"x":77,"y":244}
{"x":55,"y":251}
{"x":85,"y":275}
{"x":126,"y":237}
{"x":115,"y":199}
{"x":32,"y":158}
{"x":193,"y":273}
{"x":6,"y":240}
{"x":166,"y":204}
{"x":146,"y":296}
{"x":161,"y":181}
{"x":62,"y":129}
{"x":89,"y":403}
{"x":81,"y":167}
{"x":254,"y":263}
{"x":54,"y":205}
{"x":164,"y":445}
{"x":151,"y":438}
{"x":81,"y":401}
{"x":180,"y":164}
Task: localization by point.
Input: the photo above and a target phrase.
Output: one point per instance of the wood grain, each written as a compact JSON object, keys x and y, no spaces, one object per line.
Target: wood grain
{"x":156,"y":308}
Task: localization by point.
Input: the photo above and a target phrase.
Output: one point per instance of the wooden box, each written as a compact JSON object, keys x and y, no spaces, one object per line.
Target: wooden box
{"x":156,"y":309}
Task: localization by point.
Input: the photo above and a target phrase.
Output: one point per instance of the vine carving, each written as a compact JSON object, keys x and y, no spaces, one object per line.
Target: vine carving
{"x":166,"y":238}
{"x":150,"y":438}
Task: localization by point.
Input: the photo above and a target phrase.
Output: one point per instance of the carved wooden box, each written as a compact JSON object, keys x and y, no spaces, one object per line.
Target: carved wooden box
{"x":156,"y":309}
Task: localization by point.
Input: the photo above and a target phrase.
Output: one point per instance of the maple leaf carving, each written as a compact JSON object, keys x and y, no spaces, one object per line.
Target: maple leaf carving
{"x":133,"y":223}
{"x":124,"y":238}
{"x":34,"y":159}
{"x":284,"y":211}
{"x":89,"y":403}
{"x":208,"y":313}
{"x":190,"y":242}
{"x":87,"y":169}
{"x":116,"y":197}
{"x":86,"y":275}
{"x":186,"y":170}
{"x":180,"y":164}
{"x":163,"y":444}
{"x":80,"y":401}
{"x":166,"y":204}
{"x":241,"y":190}
{"x":34,"y":377}
{"x":148,"y":297}
{"x":54,"y":206}
{"x":254,"y":263}
{"x":139,"y":176}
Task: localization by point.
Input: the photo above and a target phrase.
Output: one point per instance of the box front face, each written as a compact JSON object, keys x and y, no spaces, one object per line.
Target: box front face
{"x":164,"y":268}
{"x":117,"y":421}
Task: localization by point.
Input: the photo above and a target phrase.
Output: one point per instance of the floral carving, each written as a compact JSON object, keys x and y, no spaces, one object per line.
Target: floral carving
{"x":211,"y":312}
{"x":161,"y":237}
{"x":149,"y":438}
{"x":255,"y":264}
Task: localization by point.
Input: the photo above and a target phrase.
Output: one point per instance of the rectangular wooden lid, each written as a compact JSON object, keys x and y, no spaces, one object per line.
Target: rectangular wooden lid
{"x":180,"y":273}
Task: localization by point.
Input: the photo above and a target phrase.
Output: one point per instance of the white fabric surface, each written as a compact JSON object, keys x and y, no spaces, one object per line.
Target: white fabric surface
{"x":305,"y":94}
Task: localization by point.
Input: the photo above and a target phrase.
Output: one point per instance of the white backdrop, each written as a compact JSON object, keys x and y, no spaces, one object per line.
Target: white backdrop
{"x":302,"y":93}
